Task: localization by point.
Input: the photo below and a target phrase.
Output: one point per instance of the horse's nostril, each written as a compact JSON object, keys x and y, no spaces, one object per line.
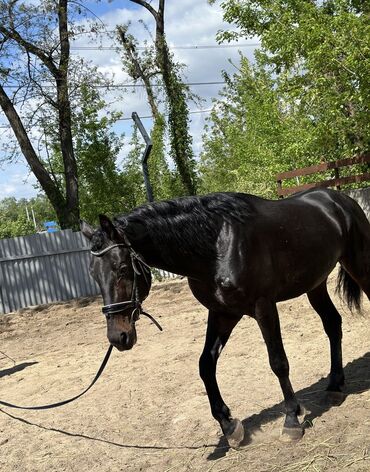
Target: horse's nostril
{"x":124,"y":338}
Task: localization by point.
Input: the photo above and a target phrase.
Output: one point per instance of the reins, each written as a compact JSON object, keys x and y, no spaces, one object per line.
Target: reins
{"x":139,"y":268}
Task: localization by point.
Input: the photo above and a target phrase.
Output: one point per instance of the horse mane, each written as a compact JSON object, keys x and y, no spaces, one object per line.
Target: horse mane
{"x":189,"y":224}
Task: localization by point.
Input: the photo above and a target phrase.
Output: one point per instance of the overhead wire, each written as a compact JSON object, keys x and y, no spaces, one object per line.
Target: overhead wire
{"x":191,"y":112}
{"x":193,"y":47}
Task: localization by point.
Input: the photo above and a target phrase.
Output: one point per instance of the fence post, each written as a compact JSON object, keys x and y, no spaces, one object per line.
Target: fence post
{"x":280,"y":189}
{"x":337,"y":175}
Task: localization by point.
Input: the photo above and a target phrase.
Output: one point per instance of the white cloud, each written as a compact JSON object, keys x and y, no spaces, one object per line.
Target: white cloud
{"x":17,"y":181}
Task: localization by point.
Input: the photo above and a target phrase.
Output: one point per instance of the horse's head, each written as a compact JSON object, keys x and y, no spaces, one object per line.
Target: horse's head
{"x":123,"y":278}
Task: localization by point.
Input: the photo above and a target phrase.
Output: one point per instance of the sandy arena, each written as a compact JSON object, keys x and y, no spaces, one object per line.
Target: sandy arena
{"x":149,"y":411}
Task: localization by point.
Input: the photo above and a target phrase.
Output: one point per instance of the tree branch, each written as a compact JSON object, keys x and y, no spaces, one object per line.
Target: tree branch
{"x":147,"y":6}
{"x":29,"y":47}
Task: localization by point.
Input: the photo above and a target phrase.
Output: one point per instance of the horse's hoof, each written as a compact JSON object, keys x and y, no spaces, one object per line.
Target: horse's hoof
{"x":302,"y":411}
{"x":291,"y":434}
{"x":236,"y":437}
{"x":334,"y":398}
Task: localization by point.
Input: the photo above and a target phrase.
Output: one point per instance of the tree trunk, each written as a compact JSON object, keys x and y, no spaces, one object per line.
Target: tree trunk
{"x":131,"y":53}
{"x":47,"y":184}
{"x":67,"y":208}
{"x":65,"y":120}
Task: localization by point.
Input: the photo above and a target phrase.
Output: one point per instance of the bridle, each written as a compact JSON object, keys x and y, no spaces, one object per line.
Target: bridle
{"x":139,"y":267}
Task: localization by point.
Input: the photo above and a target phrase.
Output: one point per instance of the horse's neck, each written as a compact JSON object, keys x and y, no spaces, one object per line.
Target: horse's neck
{"x":168,"y":254}
{"x":154,"y":256}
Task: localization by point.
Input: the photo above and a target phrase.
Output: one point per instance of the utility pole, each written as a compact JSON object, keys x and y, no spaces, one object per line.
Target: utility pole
{"x":144,"y":160}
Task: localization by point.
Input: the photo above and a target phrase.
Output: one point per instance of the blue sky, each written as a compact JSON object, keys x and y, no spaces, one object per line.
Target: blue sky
{"x":187,"y":23}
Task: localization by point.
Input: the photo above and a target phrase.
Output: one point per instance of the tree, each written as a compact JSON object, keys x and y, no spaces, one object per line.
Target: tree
{"x":318,"y":52}
{"x":28,"y":30}
{"x":143,"y":68}
{"x":304,"y":101}
{"x":38,"y":82}
{"x":101,"y":183}
{"x":250,"y":135}
{"x":16,"y":216}
{"x":176,"y":96}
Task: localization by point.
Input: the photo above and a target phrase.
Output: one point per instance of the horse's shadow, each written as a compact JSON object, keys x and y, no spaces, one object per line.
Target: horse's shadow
{"x":16,"y":368}
{"x":312,"y":397}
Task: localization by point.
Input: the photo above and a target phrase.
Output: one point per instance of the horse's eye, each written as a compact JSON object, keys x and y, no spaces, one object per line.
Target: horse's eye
{"x":122,"y":271}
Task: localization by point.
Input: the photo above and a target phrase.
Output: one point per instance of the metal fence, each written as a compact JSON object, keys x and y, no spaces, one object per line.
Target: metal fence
{"x":47,"y":267}
{"x":44,"y":268}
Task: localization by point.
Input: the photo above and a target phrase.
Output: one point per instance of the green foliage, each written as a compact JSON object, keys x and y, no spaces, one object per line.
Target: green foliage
{"x":166,"y":183}
{"x":249,"y":137}
{"x":15,"y":221}
{"x":160,"y":176}
{"x":132,"y":170}
{"x":96,"y":147}
{"x":178,"y":125}
{"x":306,"y":99}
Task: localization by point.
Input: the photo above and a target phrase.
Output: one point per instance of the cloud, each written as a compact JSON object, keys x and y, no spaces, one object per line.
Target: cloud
{"x":17,"y":181}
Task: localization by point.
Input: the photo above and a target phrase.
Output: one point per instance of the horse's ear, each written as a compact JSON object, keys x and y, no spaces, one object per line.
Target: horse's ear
{"x":108,"y":228}
{"x":86,"y":229}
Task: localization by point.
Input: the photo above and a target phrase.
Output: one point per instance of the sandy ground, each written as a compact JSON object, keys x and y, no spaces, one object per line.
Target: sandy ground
{"x":149,"y":412}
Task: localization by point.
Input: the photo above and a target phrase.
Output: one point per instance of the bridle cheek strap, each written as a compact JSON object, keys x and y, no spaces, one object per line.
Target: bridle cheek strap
{"x":135,"y":303}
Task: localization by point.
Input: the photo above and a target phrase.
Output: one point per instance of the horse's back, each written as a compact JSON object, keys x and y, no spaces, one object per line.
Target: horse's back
{"x":287,"y":247}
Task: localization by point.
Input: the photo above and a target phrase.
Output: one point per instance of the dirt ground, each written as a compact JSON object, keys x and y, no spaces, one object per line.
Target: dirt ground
{"x":149,"y":411}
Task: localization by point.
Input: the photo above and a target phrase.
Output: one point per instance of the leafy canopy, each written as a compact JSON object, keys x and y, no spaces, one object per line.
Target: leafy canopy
{"x":311,"y":72}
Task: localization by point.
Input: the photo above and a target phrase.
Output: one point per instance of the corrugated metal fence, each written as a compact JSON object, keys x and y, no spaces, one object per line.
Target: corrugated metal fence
{"x":44,"y":268}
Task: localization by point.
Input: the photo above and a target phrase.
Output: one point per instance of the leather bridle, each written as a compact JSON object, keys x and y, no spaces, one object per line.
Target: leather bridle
{"x":140,"y":268}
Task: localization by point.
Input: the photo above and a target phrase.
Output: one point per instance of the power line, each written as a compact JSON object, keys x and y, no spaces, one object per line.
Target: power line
{"x":194,"y":47}
{"x":137,"y":85}
{"x":191,"y":112}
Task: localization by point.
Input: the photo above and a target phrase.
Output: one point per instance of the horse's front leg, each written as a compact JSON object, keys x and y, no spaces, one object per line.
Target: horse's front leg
{"x":219,"y":329}
{"x":268,"y":320}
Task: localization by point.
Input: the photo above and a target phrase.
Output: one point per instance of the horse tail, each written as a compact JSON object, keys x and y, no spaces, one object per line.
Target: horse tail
{"x":349,"y":289}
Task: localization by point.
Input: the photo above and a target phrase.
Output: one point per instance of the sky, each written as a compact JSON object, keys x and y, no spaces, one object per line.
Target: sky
{"x":191,"y":27}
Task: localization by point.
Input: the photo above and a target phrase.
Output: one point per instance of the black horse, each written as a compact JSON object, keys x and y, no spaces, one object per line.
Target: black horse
{"x":241,"y":254}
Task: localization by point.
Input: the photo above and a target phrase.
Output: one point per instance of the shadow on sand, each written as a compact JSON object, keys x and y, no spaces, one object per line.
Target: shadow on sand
{"x":357,"y":381}
{"x":16,"y":368}
{"x":312,"y":397}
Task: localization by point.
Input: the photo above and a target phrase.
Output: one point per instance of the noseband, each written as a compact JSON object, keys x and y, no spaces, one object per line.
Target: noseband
{"x":139,"y":267}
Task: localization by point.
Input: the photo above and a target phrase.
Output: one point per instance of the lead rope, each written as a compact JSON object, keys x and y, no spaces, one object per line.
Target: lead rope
{"x":135,"y":294}
{"x":64,"y":402}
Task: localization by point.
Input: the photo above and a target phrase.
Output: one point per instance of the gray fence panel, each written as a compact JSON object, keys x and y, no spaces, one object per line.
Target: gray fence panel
{"x":44,"y":268}
{"x":362,"y":196}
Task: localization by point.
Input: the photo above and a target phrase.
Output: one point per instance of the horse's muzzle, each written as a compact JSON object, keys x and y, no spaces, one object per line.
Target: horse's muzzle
{"x":121,"y":332}
{"x":127,"y":341}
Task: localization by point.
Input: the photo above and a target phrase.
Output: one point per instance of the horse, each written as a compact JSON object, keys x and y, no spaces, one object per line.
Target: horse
{"x":241,"y":255}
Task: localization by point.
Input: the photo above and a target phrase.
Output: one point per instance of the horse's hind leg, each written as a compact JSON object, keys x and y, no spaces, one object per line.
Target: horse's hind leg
{"x":219,"y":329}
{"x":268,"y":320}
{"x":355,"y":261}
{"x":332,"y":322}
